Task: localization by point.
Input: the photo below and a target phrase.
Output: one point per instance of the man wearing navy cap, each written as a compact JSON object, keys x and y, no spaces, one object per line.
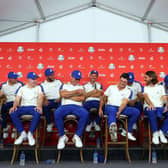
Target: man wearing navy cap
{"x":28,"y":101}
{"x":72,"y":95}
{"x":94,"y":90}
{"x":51,"y":87}
{"x":8,"y":90}
{"x":137,"y":90}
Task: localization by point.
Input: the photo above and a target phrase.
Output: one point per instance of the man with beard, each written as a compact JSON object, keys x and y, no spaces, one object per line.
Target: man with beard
{"x":51,"y":87}
{"x":155,"y":99}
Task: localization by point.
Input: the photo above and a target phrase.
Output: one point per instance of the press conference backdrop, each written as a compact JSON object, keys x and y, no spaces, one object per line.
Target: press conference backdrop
{"x":109,"y":59}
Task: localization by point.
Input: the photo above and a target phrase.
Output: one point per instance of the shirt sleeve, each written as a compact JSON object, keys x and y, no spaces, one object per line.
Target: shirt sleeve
{"x":107,"y":91}
{"x":19,"y":92}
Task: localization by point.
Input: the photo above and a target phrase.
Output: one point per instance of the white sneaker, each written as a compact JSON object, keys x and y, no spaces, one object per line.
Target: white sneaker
{"x":113,"y":132}
{"x":61,"y":142}
{"x":31,"y":139}
{"x":155,"y":138}
{"x":163,"y":139}
{"x":50,"y":127}
{"x":78,"y":143}
{"x":88,"y":127}
{"x":96,"y":126}
{"x":21,"y":138}
{"x":131,"y":137}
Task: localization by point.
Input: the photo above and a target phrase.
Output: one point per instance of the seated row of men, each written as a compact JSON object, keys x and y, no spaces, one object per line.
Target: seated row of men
{"x":72,"y":98}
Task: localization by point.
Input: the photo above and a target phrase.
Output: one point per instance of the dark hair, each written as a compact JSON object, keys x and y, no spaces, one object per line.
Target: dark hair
{"x":152,"y":74}
{"x":124,"y":75}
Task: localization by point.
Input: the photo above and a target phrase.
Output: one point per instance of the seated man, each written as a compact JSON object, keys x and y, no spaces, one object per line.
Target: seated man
{"x":94,"y":91}
{"x":72,"y":95}
{"x":155,"y":99}
{"x":117,"y":97}
{"x":28,"y":101}
{"x":8,"y":90}
{"x":51,"y":88}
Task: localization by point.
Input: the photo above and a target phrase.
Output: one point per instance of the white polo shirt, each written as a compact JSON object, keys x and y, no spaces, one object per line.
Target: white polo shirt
{"x":52,"y":89}
{"x":155,"y":93}
{"x":70,"y":87}
{"x":90,"y":87}
{"x":136,"y":87}
{"x":164,"y":85}
{"x":116,"y":96}
{"x":10,"y":90}
{"x":29,"y":96}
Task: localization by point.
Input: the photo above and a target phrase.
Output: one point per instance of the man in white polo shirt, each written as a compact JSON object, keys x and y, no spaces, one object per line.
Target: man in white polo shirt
{"x":94,"y":90}
{"x":28,"y":101}
{"x":51,"y":88}
{"x":8,"y":89}
{"x":117,"y":97}
{"x":155,"y":98}
{"x":72,"y":95}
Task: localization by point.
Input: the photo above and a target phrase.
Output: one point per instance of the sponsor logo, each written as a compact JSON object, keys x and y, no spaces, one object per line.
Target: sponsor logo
{"x":10,"y":58}
{"x":121,"y":58}
{"x":91,"y":66}
{"x":101,"y":67}
{"x":91,"y":57}
{"x":60,"y":50}
{"x":151,"y":58}
{"x":9,"y":50}
{"x":70,"y":66}
{"x":9,"y":66}
{"x":50,"y":58}
{"x":71,"y":58}
{"x":121,"y":66}
{"x":161,"y":58}
{"x":71,"y":49}
{"x":61,"y":67}
{"x":141,"y":66}
{"x":20,"y":57}
{"x":141,"y":58}
{"x":101,"y":58}
{"x":1,"y":58}
{"x":30,"y":49}
{"x":81,"y":50}
{"x":151,"y":50}
{"x":30,"y":58}
{"x":51,"y":49}
{"x":81,"y":58}
{"x":40,"y":66}
{"x":102,"y":75}
{"x":121,"y":49}
{"x":112,"y":75}
{"x":101,"y":49}
{"x":81,"y":67}
{"x":141,"y":49}
{"x":110,"y":50}
{"x":130,"y":50}
{"x":111,"y":57}
{"x":19,"y":66}
{"x":161,"y":66}
{"x":40,"y":57}
{"x":132,"y":67}
{"x":40,"y":50}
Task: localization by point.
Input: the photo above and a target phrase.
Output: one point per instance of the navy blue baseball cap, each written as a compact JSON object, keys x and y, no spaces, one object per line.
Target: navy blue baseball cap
{"x":12,"y":75}
{"x":48,"y":72}
{"x":76,"y":74}
{"x":32,"y":75}
{"x":94,"y":72}
{"x":166,"y":80}
{"x":131,"y":77}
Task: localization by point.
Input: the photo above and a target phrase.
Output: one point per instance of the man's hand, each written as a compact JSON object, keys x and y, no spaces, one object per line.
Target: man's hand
{"x":165,"y":109}
{"x":39,"y":109}
{"x":100,"y":113}
{"x":151,"y":107}
{"x":117,"y":114}
{"x":80,"y":91}
{"x":12,"y":109}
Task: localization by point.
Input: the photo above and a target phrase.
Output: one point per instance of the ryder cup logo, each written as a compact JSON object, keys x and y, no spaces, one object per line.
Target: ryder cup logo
{"x":161,"y":50}
{"x":111,"y":66}
{"x":60,"y":58}
{"x":131,"y":58}
{"x":20,"y":74}
{"x":162,"y":74}
{"x":91,"y":49}
{"x":40,"y":66}
{"x":20,"y":49}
